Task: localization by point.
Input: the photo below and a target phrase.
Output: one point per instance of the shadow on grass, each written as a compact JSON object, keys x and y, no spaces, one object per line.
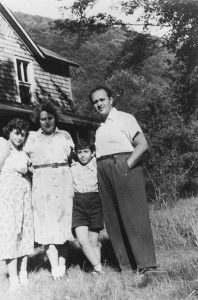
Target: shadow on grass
{"x":75,"y":257}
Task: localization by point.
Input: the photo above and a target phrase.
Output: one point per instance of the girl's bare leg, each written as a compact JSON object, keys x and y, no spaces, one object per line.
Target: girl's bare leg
{"x":12,"y":271}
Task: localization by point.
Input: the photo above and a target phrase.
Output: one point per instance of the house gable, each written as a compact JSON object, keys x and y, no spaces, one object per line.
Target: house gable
{"x":5,"y":28}
{"x":49,"y":77}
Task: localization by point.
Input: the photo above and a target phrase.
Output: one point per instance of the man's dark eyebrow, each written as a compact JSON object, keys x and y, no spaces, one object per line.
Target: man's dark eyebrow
{"x":99,"y":99}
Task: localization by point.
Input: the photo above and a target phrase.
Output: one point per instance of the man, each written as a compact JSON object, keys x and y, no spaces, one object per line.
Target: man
{"x":120,"y":144}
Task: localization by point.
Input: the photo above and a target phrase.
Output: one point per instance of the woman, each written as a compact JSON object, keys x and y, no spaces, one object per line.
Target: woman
{"x":52,"y":192}
{"x":16,"y":221}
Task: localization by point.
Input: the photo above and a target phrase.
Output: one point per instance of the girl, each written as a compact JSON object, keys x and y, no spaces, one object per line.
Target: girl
{"x":16,"y":222}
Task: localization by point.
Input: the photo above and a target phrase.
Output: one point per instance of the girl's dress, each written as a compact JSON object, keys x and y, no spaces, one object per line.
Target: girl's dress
{"x":16,"y":221}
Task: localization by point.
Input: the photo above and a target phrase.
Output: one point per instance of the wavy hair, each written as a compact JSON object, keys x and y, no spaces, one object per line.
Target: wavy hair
{"x":18,"y":124}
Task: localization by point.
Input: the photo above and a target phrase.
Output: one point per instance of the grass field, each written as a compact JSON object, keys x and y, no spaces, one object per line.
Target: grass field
{"x":175,"y":232}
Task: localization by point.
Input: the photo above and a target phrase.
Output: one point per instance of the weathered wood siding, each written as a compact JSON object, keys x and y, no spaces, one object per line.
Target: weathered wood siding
{"x":46,"y":85}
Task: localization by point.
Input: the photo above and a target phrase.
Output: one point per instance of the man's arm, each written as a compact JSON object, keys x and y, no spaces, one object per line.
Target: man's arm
{"x":140,"y":146}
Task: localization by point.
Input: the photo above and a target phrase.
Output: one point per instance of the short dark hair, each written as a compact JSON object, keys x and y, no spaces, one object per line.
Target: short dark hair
{"x":45,"y":106}
{"x":83,"y":144}
{"x":98,"y":88}
{"x":18,"y":124}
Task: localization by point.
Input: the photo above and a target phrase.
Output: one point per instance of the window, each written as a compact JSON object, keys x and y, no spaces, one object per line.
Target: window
{"x":24,"y":82}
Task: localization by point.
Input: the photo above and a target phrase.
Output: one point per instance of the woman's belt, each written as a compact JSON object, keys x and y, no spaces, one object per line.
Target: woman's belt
{"x":53,"y":165}
{"x":112,"y":155}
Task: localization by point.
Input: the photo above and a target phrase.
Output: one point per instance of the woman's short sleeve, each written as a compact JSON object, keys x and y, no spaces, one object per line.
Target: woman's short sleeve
{"x":69,"y":139}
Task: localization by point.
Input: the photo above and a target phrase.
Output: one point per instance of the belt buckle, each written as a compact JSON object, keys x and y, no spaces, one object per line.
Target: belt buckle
{"x":54,"y":165}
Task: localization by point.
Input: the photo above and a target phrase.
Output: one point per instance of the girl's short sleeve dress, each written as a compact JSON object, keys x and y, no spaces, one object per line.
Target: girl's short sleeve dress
{"x":16,"y":221}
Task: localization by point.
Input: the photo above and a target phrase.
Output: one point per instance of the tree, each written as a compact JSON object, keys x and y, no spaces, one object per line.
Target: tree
{"x":179,"y":145}
{"x":181,"y":16}
{"x":83,"y":26}
{"x":135,"y":50}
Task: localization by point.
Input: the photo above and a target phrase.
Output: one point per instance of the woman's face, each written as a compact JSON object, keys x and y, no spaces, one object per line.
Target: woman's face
{"x":47,"y":122}
{"x":17,"y":137}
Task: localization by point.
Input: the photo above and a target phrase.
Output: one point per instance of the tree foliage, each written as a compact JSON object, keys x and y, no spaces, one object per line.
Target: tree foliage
{"x":182,"y":18}
{"x":137,"y":48}
{"x":83,"y":26}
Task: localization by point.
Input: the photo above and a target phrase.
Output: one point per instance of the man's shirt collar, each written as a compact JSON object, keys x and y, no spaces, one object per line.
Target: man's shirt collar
{"x":111,"y":116}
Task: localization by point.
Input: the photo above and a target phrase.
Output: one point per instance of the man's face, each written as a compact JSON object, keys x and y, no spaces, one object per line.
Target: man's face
{"x":102,"y":103}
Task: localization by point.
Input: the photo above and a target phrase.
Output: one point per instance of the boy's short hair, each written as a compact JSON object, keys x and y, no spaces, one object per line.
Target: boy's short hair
{"x":83,"y":144}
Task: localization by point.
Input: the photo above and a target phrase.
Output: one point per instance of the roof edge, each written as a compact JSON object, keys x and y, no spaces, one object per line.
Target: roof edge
{"x":63,"y":116}
{"x":51,"y":54}
{"x":34,"y":48}
{"x":23,"y":35}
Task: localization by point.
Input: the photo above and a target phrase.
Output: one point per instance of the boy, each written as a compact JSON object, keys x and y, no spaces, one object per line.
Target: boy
{"x":87,"y":220}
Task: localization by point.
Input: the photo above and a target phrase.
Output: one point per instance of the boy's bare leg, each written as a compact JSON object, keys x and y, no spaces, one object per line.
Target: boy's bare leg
{"x":82,"y":233}
{"x":94,"y":241}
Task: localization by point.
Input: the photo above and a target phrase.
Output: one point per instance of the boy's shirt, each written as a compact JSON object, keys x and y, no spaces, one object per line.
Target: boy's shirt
{"x":85,"y":177}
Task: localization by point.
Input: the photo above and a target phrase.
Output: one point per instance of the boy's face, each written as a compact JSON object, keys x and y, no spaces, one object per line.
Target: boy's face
{"x":84,"y":156}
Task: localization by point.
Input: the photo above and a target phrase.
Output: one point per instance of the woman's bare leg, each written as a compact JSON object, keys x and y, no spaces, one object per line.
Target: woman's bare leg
{"x":23,"y":271}
{"x":52,"y":253}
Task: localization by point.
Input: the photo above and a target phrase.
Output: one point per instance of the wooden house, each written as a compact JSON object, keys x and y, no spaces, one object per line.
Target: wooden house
{"x":30,"y":74}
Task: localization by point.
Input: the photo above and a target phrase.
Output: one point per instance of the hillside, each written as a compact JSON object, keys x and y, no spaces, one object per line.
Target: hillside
{"x":96,"y":57}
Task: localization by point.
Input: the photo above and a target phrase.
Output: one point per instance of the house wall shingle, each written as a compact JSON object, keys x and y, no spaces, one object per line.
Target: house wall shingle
{"x":46,"y":85}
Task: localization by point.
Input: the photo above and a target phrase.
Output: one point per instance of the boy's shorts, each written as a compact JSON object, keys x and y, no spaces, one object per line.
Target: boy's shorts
{"x":87,"y":211}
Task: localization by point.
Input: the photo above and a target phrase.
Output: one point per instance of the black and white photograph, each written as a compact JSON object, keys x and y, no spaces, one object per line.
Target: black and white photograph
{"x":98,"y":149}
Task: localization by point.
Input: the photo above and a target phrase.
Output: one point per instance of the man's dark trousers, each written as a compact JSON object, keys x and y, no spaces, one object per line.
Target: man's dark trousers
{"x":125,"y":211}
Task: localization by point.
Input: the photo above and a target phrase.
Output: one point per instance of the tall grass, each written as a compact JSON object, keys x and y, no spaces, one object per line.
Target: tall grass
{"x":175,"y":232}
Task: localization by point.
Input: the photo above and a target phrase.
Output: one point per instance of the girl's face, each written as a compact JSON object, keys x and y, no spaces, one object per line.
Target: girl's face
{"x":17,"y":137}
{"x":47,"y":122}
{"x":84,"y":156}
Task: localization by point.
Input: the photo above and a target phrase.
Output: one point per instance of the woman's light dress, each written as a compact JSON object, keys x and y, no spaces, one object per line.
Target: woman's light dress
{"x":52,"y":190}
{"x":16,"y":220}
